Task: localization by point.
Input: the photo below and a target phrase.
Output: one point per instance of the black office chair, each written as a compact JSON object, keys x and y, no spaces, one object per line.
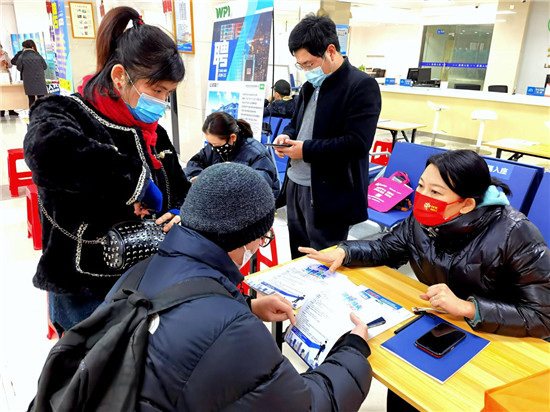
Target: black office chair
{"x":467,"y":86}
{"x":500,"y":88}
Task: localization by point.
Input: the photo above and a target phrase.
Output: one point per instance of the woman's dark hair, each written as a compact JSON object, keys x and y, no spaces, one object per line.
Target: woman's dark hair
{"x":466,"y":173}
{"x":223,"y":125}
{"x":29,"y":44}
{"x":314,"y":34}
{"x":145,"y":51}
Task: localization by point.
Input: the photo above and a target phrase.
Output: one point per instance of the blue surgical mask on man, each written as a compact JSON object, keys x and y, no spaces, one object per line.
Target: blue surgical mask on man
{"x":316,"y":76}
{"x":149,"y":109}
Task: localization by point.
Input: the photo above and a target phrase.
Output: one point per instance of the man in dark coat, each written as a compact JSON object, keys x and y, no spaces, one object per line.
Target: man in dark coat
{"x":330,"y":135}
{"x":215,"y":353}
{"x":282,"y":105}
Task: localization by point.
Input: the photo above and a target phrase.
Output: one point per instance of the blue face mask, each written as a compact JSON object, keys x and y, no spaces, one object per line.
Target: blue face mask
{"x":149,"y":109}
{"x":316,"y":76}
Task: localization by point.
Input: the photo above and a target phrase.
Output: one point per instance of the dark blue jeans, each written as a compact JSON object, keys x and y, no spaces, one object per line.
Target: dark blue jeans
{"x":68,"y":310}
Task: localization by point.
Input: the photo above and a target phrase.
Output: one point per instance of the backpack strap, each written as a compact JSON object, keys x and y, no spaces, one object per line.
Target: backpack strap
{"x":185,"y":291}
{"x":133,"y":279}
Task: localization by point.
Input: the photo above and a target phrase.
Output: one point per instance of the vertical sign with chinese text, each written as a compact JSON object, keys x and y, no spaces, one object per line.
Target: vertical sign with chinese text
{"x":239,"y":60}
{"x":62,"y":53}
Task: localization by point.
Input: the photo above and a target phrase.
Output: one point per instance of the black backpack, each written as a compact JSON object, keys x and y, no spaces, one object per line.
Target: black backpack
{"x":98,"y":364}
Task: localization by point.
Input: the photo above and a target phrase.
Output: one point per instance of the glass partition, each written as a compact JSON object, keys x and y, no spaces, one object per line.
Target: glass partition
{"x":457,"y":54}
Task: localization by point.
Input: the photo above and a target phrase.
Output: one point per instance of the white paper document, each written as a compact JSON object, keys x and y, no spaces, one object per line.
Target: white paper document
{"x":325,"y":317}
{"x":296,"y":280}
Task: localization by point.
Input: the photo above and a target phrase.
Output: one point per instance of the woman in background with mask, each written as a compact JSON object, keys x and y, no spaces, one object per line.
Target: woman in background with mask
{"x":482,"y":259}
{"x":99,"y":157}
{"x":231,"y":140}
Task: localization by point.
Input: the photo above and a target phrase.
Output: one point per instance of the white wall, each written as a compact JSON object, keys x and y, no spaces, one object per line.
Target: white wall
{"x":9,"y":26}
{"x":504,"y":57}
{"x":536,"y":46}
{"x":31,"y":16}
{"x":394,"y":47}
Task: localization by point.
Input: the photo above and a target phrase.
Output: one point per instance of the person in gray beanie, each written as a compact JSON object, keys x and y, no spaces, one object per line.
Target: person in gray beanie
{"x":214,"y":353}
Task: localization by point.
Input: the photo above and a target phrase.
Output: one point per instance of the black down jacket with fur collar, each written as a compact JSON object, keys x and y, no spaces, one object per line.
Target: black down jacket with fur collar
{"x":89,"y":172}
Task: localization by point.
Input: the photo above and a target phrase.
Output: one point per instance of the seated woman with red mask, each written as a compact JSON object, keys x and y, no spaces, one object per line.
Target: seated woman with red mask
{"x":482,"y":259}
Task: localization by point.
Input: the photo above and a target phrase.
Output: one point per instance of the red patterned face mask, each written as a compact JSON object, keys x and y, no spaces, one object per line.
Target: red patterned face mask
{"x":429,"y":211}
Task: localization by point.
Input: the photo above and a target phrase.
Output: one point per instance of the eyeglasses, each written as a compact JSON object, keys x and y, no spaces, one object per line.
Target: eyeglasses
{"x":267,"y":238}
{"x":308,"y":66}
{"x":304,"y":67}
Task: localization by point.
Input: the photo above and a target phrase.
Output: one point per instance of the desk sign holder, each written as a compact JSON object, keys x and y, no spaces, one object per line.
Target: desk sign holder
{"x":389,"y":81}
{"x":406,"y":82}
{"x":535,"y":91}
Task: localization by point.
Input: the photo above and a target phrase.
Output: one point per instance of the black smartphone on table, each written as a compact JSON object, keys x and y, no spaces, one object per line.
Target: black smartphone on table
{"x":277,"y":145}
{"x":440,"y":339}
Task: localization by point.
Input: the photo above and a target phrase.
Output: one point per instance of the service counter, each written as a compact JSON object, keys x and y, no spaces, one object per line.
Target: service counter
{"x":13,"y":97}
{"x":519,"y":116}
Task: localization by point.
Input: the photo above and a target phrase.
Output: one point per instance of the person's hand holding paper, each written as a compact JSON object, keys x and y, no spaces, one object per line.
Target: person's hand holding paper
{"x":273,"y":308}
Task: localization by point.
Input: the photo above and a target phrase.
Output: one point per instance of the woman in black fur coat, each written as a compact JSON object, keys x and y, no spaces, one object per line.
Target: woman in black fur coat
{"x":99,"y":157}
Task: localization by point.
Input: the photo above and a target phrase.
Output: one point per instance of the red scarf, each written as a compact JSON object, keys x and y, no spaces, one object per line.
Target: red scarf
{"x":117,"y":111}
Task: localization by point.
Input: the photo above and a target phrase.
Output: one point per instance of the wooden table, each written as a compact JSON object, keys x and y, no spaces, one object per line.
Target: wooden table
{"x":12,"y":97}
{"x":519,"y":148}
{"x":394,"y":127}
{"x":504,"y":360}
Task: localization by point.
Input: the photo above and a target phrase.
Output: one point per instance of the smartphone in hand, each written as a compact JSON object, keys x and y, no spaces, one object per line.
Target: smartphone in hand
{"x":440,"y":339}
{"x":277,"y":145}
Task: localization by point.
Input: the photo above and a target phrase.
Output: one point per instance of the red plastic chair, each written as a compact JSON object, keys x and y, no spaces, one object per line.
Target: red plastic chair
{"x":260,"y":258}
{"x":52,"y":333}
{"x":34,"y":227}
{"x":17,"y":179}
{"x":384,"y":148}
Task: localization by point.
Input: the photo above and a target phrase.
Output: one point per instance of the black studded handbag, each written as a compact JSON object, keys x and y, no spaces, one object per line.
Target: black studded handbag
{"x":127,"y":243}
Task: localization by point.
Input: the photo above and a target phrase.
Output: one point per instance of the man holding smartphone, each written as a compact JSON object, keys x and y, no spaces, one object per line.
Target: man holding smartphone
{"x":330,"y":135}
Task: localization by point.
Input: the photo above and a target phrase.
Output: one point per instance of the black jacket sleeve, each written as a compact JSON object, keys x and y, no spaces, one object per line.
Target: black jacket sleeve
{"x":528,"y":271}
{"x":391,"y":250}
{"x":16,"y":57}
{"x":198,"y":163}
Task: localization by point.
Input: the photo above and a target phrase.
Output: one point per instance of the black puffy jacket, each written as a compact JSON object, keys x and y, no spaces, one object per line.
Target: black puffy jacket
{"x":214,"y":354}
{"x":89,"y":172}
{"x":493,"y":254}
{"x":248,"y":151}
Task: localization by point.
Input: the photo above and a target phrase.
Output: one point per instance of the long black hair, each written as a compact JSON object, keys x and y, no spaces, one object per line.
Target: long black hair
{"x":223,"y":125}
{"x":466,"y":173}
{"x":145,"y":51}
{"x":314,"y":34}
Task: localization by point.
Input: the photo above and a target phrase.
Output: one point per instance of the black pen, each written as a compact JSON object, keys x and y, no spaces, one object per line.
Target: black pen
{"x":376,"y":322}
{"x":406,"y":325}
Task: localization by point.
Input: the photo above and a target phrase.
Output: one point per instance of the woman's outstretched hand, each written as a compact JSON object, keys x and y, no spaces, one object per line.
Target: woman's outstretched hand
{"x":334,"y":258}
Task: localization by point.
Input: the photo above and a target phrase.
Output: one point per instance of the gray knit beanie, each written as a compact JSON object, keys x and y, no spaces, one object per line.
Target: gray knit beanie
{"x":230,"y":204}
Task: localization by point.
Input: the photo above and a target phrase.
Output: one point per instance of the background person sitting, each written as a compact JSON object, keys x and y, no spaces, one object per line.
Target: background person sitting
{"x":282,"y":105}
{"x":214,"y":353}
{"x":231,"y":140}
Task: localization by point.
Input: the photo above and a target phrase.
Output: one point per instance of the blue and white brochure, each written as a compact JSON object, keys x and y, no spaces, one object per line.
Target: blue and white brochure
{"x":294,"y":281}
{"x":325,"y":317}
